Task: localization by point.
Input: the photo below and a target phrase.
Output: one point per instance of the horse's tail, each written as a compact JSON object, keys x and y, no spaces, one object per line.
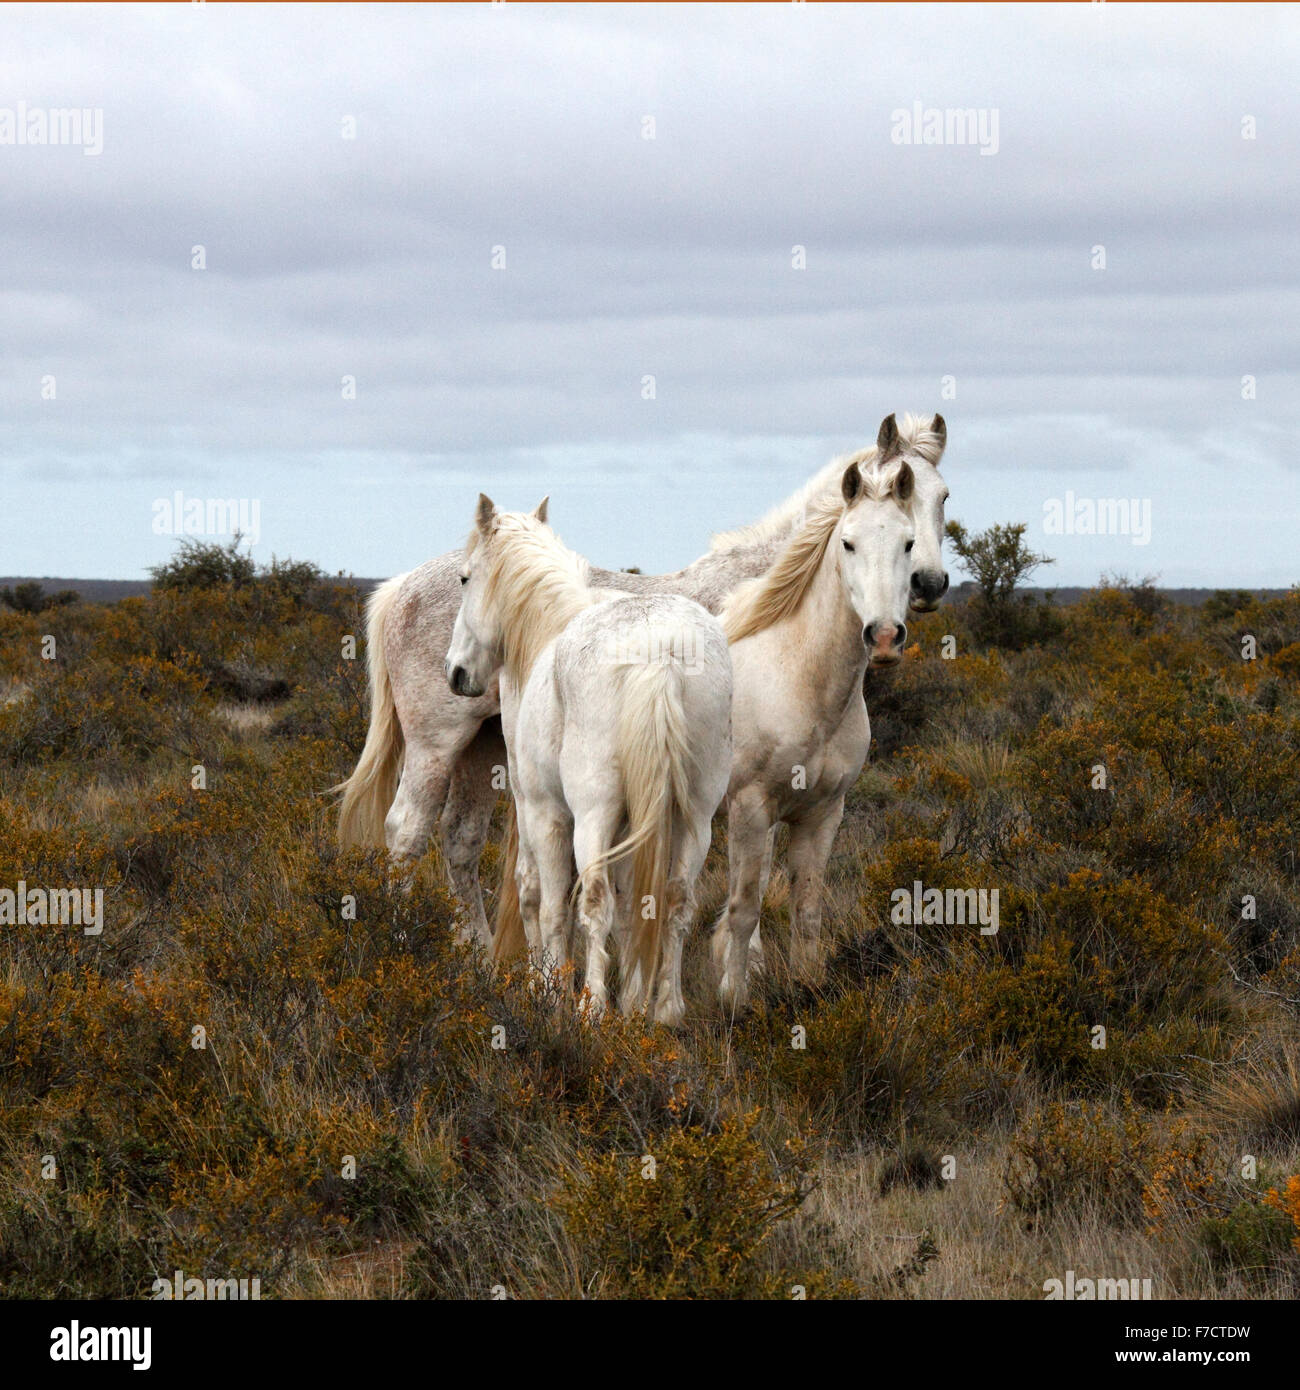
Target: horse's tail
{"x":509,"y":939}
{"x":369,"y":792}
{"x":656,"y":756}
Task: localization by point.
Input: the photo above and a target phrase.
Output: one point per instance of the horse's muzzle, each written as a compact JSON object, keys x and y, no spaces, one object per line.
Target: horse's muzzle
{"x":926,"y":589}
{"x":459,"y":680}
{"x":885,"y":642}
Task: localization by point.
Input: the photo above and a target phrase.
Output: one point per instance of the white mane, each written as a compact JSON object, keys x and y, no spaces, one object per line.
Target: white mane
{"x":535,"y":583}
{"x":761,"y":602}
{"x":918,"y":440}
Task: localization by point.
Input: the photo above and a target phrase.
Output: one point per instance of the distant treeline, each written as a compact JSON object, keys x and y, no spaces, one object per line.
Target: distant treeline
{"x":110,"y":590}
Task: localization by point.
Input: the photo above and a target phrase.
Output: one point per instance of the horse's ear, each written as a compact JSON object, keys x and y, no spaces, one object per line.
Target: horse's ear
{"x":937,"y":426}
{"x":486,"y":513}
{"x":539,"y":511}
{"x":887,"y":441}
{"x":904,"y":482}
{"x":851,"y":484}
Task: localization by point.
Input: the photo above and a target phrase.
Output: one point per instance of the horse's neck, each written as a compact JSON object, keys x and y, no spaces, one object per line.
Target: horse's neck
{"x":827,"y":633}
{"x":711,"y":578}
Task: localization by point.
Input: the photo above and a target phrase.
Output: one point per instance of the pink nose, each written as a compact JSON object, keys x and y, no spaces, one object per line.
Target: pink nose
{"x":884,"y":640}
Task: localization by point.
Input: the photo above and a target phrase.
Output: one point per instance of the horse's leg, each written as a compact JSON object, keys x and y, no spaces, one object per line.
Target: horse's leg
{"x":756,"y":941}
{"x":747,"y":822}
{"x":689,"y":854}
{"x":408,"y":827}
{"x":593,"y":832}
{"x":467,"y":816}
{"x":811,"y":839}
{"x":549,"y":831}
{"x":720,"y":930}
{"x":528,"y":883}
{"x":438,"y":727}
{"x":630,"y":978}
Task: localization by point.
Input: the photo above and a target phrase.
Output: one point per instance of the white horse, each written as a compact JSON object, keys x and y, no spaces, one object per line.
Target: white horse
{"x":428,"y":754}
{"x":617,"y":718}
{"x":802,"y":637}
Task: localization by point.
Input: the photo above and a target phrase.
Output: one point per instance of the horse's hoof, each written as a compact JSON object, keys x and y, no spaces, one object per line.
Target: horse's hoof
{"x":808,"y":966}
{"x":671,"y":1015}
{"x":733,"y":1001}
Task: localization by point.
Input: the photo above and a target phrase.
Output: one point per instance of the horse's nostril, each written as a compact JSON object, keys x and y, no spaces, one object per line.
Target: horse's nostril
{"x":944,"y":590}
{"x":901,"y":639}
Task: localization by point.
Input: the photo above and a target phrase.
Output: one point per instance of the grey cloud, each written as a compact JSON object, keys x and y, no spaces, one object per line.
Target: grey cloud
{"x":486,"y":125}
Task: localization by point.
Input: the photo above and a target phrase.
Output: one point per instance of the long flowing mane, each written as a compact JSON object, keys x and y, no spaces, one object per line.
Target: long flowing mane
{"x":534,"y":582}
{"x":779,"y":592}
{"x":918,"y":441}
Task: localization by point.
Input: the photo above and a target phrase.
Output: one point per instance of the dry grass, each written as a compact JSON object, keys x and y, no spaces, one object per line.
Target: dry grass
{"x":245,"y":717}
{"x":513,"y":1159}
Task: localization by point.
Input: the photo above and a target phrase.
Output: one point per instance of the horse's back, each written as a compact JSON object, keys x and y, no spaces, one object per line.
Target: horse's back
{"x":638,"y":629}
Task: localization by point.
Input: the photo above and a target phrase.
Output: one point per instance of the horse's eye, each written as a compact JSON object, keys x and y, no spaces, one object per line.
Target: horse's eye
{"x":909,"y":545}
{"x":464,"y":579}
{"x":848,"y":546}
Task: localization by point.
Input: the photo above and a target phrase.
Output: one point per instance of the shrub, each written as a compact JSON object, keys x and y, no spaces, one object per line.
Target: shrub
{"x":198,"y":565}
{"x":1287,"y":1201}
{"x":912,"y":1167}
{"x":696,"y":1228}
{"x":1224,"y":604}
{"x":204,"y":565}
{"x":1000,"y":561}
{"x":997,"y":558}
{"x":1254,"y":1239}
{"x":1081,"y":1158}
{"x":871,"y":1064}
{"x":106,"y":711}
{"x":30,"y":597}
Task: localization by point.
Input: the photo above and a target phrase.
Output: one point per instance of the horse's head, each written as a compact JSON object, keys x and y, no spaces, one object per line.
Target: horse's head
{"x":874,"y":542}
{"x":477,"y":650}
{"x":921,"y":446}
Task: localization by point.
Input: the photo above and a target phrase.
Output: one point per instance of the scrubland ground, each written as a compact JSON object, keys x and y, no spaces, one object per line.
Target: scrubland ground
{"x":275,"y":1063}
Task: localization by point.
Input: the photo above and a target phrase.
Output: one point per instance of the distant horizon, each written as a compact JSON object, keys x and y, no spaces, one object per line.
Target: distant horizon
{"x":961,"y":587}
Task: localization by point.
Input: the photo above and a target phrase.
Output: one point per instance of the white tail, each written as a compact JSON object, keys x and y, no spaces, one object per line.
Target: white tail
{"x":658,"y":763}
{"x":369,"y":792}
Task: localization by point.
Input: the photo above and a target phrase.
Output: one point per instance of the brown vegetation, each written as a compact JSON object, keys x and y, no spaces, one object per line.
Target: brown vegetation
{"x":368,"y":1111}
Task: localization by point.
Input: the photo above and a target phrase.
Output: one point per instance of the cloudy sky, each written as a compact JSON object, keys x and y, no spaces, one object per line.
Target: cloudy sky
{"x":936,"y":276}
